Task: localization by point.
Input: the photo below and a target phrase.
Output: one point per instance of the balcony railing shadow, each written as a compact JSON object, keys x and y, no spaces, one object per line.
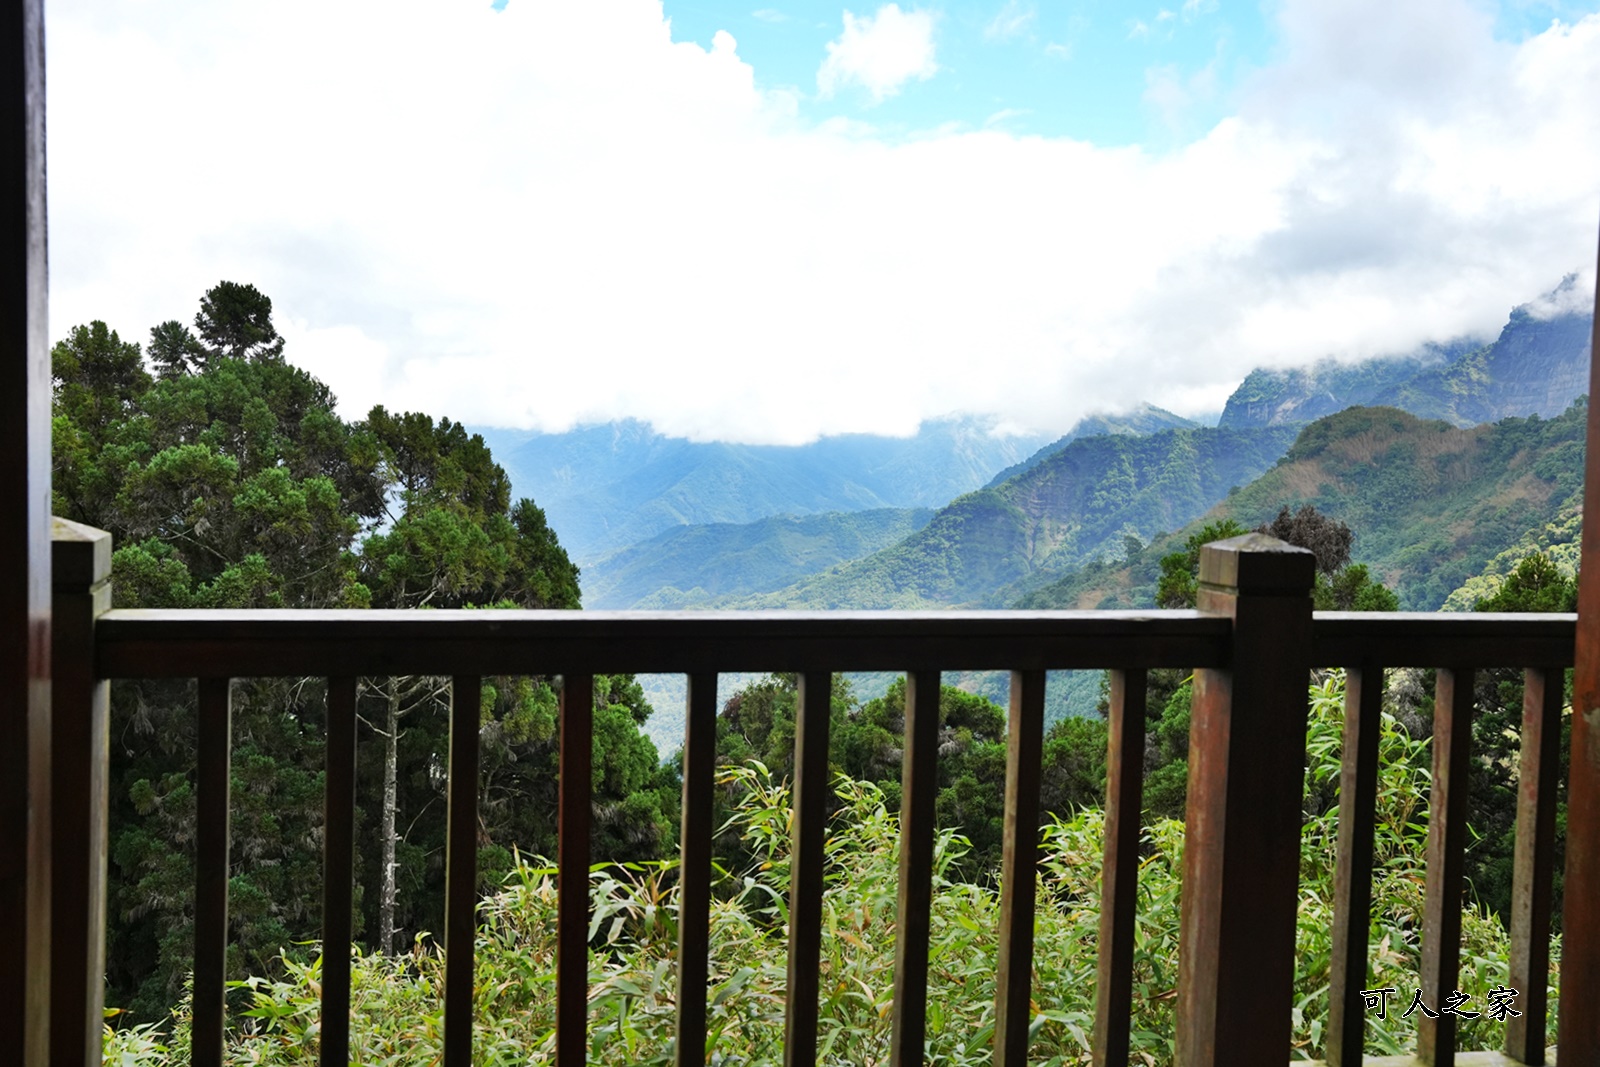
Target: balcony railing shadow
{"x":1252,"y":644}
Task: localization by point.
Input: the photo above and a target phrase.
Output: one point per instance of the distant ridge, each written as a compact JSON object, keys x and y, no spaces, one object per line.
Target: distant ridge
{"x":1080,"y":503}
{"x":1432,"y":505}
{"x":607,"y":486}
{"x":1537,"y":366}
{"x":689,"y":566}
{"x":1146,"y":418}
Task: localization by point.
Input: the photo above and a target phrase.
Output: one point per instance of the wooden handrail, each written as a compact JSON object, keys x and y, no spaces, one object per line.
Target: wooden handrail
{"x":1227,"y":645}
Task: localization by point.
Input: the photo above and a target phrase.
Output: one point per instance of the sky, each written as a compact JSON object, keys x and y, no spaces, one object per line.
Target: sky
{"x":766,"y":223}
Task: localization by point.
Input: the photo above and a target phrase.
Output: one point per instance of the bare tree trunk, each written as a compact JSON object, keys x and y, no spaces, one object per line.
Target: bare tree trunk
{"x":391,"y":760}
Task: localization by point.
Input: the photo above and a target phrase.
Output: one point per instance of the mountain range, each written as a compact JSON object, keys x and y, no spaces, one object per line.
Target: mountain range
{"x":1475,"y":459}
{"x":867,"y":521}
{"x":606,"y":487}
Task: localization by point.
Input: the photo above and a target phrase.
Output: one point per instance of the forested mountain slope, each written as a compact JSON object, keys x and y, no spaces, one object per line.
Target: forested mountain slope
{"x":686,"y":566}
{"x":1537,"y":366}
{"x":609,"y":486}
{"x":1144,"y":419}
{"x":984,"y":548}
{"x":1432,"y":505}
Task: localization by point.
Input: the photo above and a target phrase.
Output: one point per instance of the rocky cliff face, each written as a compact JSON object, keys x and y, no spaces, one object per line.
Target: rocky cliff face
{"x":1537,"y":366}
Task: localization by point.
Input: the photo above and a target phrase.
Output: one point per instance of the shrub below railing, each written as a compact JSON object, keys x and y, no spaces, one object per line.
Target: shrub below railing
{"x":397,"y":1015}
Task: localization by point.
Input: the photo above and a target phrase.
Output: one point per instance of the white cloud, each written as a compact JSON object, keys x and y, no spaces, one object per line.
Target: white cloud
{"x":555,"y":213}
{"x":768,"y":14}
{"x":880,"y":52}
{"x":1012,"y":20}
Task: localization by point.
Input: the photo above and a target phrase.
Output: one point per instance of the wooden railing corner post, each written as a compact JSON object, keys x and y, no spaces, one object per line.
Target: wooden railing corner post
{"x":1241,"y":860}
{"x":80,"y":561}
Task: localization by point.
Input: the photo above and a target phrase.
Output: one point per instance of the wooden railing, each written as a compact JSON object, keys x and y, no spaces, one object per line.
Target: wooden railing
{"x":1251,"y":645}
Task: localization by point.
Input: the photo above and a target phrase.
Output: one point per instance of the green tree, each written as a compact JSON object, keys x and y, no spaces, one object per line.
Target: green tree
{"x":235,"y":322}
{"x":1179,"y":584}
{"x":97,"y":382}
{"x":229,"y":480}
{"x":175,"y":351}
{"x":1536,"y":584}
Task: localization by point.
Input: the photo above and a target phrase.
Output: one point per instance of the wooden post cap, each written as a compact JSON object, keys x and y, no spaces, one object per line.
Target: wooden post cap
{"x":1255,"y":563}
{"x":80,"y":556}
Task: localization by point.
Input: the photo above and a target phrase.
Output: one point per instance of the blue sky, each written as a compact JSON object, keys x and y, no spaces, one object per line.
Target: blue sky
{"x":764,"y":223}
{"x":1093,"y":70}
{"x":1078,"y":70}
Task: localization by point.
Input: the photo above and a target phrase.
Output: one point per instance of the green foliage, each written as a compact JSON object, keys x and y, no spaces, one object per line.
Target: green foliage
{"x":633,"y":939}
{"x":1076,"y":505}
{"x":235,"y":322}
{"x":1436,"y":507}
{"x":230,"y":481}
{"x":1180,"y":571}
{"x":1352,"y":589}
{"x":699,"y":566}
{"x":1537,"y":584}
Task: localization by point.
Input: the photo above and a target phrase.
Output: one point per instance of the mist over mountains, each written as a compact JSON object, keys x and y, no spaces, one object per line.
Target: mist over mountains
{"x":1449,"y":461}
{"x":959,"y":516}
{"x":612,"y":485}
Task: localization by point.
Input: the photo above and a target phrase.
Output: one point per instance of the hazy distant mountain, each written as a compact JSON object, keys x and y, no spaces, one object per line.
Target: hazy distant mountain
{"x":984,"y":548}
{"x":1146,"y":418}
{"x":687,"y":566}
{"x":1537,"y":365}
{"x":609,"y":486}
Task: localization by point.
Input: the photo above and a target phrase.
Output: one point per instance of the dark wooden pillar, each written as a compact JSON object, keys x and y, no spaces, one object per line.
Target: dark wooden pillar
{"x":80,"y":746}
{"x":1578,"y":1034}
{"x":24,"y":545}
{"x":1241,"y":860}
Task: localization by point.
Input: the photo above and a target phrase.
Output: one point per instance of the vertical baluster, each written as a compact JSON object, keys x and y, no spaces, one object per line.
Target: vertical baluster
{"x":919,"y":788}
{"x":1352,"y":886}
{"x":1119,"y":876}
{"x":461,"y":870}
{"x":694,"y":868}
{"x":1534,"y":866}
{"x":213,"y":746}
{"x":338,"y":846}
{"x":805,"y":867}
{"x":572,"y":871}
{"x":1019,"y":859}
{"x":1447,"y":842}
